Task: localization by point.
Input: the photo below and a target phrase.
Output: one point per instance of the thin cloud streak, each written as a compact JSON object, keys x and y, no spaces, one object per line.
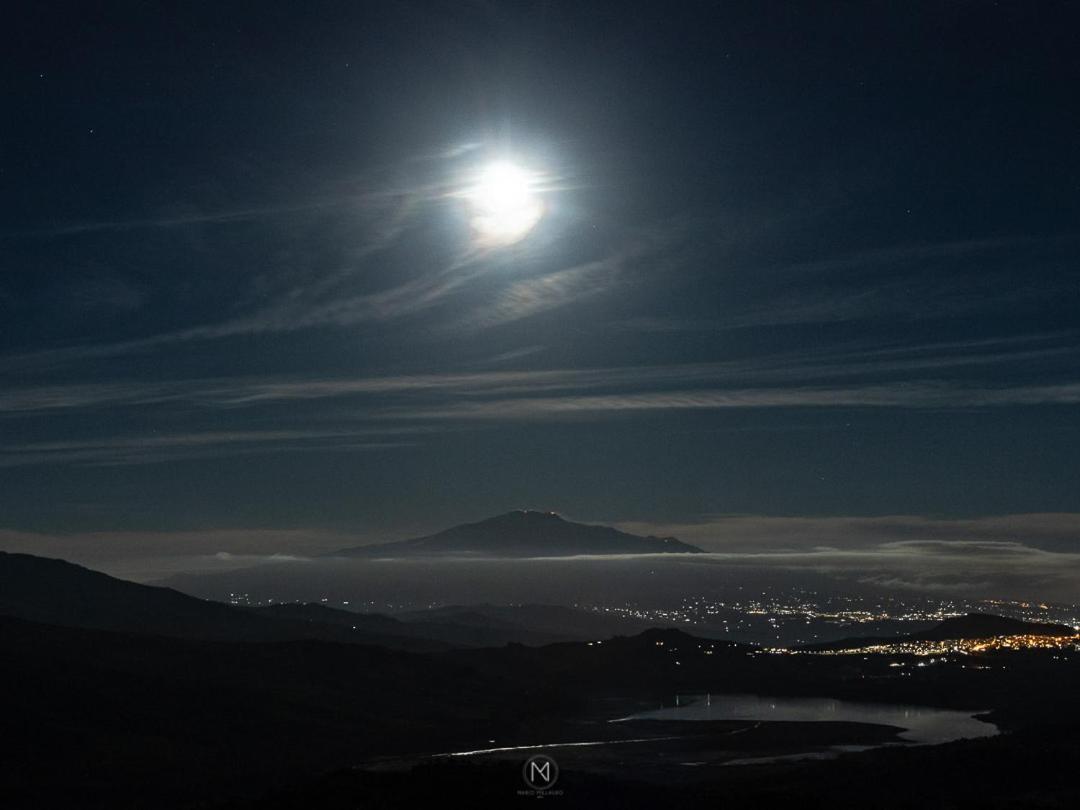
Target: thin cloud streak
{"x":901,"y":395}
{"x":211,"y":444}
{"x":637,"y":385}
{"x":372,"y":188}
{"x":327,"y":303}
{"x":235,"y":215}
{"x":659,"y":251}
{"x":390,"y":207}
{"x":833,"y":298}
{"x":551,"y":291}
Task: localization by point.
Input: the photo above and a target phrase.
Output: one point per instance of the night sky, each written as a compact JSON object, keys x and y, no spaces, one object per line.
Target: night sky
{"x":795,"y":260}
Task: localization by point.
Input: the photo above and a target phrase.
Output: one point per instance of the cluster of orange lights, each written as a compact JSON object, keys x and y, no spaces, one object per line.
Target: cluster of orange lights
{"x":954,"y":646}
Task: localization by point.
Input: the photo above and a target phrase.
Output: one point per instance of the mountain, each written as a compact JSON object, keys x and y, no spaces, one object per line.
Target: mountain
{"x":478,"y":626}
{"x":61,"y":593}
{"x":106,"y":721}
{"x":987,"y":625}
{"x":468,"y":625}
{"x":968,"y":626}
{"x":98,"y":719}
{"x":522,"y":624}
{"x":525,"y":533}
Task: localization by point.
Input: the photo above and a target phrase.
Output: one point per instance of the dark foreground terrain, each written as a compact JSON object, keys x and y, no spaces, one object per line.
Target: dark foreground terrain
{"x":263,"y":717}
{"x":1031,"y":769}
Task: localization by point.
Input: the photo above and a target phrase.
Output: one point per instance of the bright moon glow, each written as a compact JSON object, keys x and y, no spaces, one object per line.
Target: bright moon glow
{"x":505,"y":202}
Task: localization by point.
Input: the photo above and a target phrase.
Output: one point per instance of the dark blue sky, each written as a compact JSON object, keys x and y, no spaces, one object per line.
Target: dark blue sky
{"x":797,"y":259}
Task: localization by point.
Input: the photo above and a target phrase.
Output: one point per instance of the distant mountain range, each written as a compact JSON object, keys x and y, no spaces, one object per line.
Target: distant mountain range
{"x":462,"y":626}
{"x":968,"y":626}
{"x":525,"y":533}
{"x":61,"y":593}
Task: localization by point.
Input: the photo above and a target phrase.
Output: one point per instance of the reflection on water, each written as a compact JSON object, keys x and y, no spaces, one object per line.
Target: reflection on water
{"x":922,"y":725}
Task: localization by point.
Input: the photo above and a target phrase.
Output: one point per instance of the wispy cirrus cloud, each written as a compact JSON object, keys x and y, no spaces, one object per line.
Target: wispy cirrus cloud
{"x":385,"y":190}
{"x":466,"y":400}
{"x":900,"y":395}
{"x":791,"y":380}
{"x":174,"y":221}
{"x":334,"y":299}
{"x":657,"y":251}
{"x":155,"y":448}
{"x":373,"y":216}
{"x":788,"y":374}
{"x":901,"y":282}
{"x":551,"y":291}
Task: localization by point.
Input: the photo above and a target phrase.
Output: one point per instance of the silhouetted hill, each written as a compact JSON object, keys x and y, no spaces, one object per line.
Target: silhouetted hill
{"x":96,"y":719}
{"x":61,"y":593}
{"x":469,"y":625}
{"x":103,"y":719}
{"x":667,"y":659}
{"x":968,"y":626}
{"x":986,"y":625}
{"x":525,"y":533}
{"x":528,"y":624}
{"x":443,"y":628}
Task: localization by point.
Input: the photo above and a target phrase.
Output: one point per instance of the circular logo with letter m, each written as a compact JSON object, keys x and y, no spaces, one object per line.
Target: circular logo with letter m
{"x":541,"y":772}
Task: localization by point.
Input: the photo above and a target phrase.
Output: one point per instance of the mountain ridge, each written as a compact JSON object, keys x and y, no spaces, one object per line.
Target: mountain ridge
{"x":63,"y":594}
{"x":525,"y":533}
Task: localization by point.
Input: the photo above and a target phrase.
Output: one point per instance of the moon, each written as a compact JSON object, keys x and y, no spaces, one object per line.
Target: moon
{"x":505,"y":203}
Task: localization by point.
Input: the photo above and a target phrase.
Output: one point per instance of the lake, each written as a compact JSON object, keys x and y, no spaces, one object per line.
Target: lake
{"x":923,"y":725}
